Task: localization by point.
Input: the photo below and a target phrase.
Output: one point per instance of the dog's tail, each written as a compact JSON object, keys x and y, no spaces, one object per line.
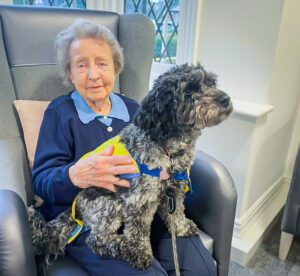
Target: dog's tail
{"x":49,"y":238}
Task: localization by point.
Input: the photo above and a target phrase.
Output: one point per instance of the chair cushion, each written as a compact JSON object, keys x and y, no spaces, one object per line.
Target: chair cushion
{"x":31,"y":115}
{"x":207,"y":241}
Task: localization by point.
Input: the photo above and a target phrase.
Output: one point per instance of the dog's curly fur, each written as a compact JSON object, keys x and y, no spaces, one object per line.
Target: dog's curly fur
{"x":163,"y":135}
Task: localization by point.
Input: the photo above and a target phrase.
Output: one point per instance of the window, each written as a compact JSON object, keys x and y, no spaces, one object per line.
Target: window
{"x":165,"y":17}
{"x":79,"y":4}
{"x":177,"y":25}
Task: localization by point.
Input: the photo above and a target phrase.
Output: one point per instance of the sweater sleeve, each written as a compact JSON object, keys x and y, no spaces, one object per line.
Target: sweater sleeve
{"x":54,"y":156}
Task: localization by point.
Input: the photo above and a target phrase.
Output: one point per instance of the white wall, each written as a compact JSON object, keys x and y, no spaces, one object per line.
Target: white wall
{"x":254,"y":47}
{"x":230,"y":143}
{"x":243,"y":35}
{"x":273,"y":141}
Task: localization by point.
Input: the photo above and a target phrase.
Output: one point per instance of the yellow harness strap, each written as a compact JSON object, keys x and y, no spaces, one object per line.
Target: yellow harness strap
{"x":74,"y":234}
{"x":187,"y":186}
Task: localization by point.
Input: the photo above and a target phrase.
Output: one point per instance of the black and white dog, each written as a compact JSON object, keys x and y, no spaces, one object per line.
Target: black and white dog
{"x":182,"y":102}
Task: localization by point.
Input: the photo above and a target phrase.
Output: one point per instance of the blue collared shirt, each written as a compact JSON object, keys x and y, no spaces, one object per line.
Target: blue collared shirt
{"x":87,"y":114}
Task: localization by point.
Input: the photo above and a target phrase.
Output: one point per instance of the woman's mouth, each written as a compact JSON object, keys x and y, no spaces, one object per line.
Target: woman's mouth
{"x":94,"y":87}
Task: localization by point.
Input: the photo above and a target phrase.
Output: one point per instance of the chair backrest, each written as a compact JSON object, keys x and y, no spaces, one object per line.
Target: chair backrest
{"x":291,"y":215}
{"x":27,"y":63}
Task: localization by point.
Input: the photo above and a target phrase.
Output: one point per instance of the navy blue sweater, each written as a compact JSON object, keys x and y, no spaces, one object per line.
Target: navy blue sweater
{"x":64,"y":139}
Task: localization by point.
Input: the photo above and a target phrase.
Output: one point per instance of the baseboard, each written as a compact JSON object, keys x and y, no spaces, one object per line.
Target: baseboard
{"x":252,"y":227}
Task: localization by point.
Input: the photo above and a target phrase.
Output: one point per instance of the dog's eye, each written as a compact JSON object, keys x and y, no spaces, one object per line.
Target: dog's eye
{"x":210,"y":81}
{"x":193,"y":86}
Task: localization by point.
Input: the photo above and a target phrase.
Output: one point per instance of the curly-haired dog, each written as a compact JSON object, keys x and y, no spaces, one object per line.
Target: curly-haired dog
{"x":163,"y":135}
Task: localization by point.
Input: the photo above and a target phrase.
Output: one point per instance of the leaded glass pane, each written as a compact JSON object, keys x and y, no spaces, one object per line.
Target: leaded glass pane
{"x":79,"y":4}
{"x":165,"y":16}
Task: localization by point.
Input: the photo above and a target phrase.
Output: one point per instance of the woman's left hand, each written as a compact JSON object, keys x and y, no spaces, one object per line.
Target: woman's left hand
{"x":102,"y":170}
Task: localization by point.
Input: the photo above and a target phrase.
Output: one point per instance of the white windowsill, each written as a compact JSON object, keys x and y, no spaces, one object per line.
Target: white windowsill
{"x":241,"y":109}
{"x":249,"y":110}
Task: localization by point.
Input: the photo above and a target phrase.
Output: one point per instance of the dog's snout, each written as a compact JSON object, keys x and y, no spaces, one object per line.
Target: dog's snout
{"x":224,"y":100}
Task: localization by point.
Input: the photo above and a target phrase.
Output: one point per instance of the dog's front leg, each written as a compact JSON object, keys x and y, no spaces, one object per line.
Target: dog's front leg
{"x":104,"y":222}
{"x":184,"y":227}
{"x":138,"y":215}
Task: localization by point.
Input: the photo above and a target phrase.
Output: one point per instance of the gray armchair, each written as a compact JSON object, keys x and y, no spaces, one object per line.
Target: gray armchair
{"x":28,"y":72}
{"x":290,"y":225}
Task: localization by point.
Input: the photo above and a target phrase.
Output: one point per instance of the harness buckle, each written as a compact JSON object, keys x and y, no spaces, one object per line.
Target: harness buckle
{"x":171,"y":193}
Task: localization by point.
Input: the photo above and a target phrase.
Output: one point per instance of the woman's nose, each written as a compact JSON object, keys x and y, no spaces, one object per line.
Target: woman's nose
{"x":94,"y":73}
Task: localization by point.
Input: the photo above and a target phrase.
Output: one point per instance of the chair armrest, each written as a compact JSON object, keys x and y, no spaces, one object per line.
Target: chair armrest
{"x":17,"y":257}
{"x":290,"y":219}
{"x":15,"y":174}
{"x":212,"y":205}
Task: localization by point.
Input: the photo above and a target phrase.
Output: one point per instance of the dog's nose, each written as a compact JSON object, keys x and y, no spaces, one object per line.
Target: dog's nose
{"x":224,"y":100}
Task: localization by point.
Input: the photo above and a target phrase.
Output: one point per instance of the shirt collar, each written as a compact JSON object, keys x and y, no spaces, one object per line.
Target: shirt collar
{"x":87,"y":114}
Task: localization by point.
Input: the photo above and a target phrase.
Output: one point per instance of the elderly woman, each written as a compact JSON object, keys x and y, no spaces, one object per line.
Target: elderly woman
{"x":76,"y":123}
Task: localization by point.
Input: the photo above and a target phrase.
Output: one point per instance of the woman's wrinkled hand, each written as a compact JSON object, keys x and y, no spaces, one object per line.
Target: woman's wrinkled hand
{"x":101,"y":170}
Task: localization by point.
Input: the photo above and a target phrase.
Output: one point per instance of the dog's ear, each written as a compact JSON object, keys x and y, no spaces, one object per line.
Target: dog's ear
{"x":207,"y":78}
{"x":157,"y":115}
{"x":210,"y":80}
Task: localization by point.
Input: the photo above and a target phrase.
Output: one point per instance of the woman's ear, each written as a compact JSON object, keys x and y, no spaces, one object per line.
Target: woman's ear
{"x":69,"y":76}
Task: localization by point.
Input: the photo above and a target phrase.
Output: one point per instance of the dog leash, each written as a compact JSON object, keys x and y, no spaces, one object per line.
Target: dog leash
{"x":171,"y":193}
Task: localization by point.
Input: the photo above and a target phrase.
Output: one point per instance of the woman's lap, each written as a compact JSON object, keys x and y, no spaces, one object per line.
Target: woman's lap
{"x":194,"y":259}
{"x":97,"y":265}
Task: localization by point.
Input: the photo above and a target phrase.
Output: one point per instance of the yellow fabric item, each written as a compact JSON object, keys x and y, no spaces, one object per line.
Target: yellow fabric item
{"x":187,"y":186}
{"x":119,"y":149}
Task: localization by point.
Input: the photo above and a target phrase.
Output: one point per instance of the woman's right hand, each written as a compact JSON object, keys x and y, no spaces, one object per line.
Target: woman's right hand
{"x":102,"y":170}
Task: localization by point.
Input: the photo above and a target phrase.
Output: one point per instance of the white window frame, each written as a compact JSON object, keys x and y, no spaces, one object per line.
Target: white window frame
{"x":188,"y":42}
{"x":106,"y":5}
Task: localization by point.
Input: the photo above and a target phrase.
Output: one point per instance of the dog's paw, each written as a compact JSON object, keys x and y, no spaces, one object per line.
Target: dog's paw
{"x":140,"y":260}
{"x":137,"y":253}
{"x":95,"y":244}
{"x":189,"y":229}
{"x":102,"y":246}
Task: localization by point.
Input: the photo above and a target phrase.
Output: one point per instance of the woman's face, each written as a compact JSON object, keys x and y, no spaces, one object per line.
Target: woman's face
{"x":92,"y":70}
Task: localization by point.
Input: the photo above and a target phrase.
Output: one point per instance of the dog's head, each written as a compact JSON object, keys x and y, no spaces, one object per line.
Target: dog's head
{"x":182,"y":101}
